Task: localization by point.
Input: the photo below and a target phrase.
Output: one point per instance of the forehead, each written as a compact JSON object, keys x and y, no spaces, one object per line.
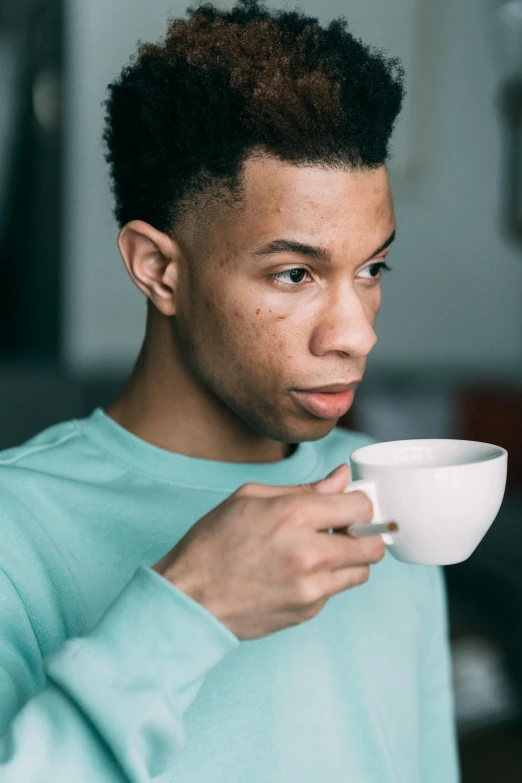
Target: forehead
{"x":312,"y":201}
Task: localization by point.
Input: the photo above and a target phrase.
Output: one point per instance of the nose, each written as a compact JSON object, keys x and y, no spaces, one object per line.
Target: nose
{"x":345,"y":326}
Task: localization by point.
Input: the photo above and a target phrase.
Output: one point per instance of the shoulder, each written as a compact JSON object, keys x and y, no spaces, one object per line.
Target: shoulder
{"x":24,"y":473}
{"x":54,"y":462}
{"x":37,"y":449}
{"x":31,"y":477}
{"x":22,"y":468}
{"x":34,"y":477}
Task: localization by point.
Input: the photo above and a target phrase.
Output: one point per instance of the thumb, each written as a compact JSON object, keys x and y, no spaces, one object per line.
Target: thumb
{"x":336,"y":481}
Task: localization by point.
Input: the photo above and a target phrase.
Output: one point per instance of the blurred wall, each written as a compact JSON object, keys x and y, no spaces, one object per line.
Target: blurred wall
{"x":454,"y":299}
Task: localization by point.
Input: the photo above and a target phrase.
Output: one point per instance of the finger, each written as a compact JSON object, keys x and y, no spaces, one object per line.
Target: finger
{"x":336,"y":481}
{"x":323,"y":511}
{"x":343,"y":579}
{"x":344,"y":552}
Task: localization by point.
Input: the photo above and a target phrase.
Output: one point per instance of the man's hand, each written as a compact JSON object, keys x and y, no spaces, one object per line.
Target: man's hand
{"x":262,"y":560}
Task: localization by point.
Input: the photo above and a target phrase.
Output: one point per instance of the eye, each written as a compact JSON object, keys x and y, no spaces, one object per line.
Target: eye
{"x":296,"y":272}
{"x":375,"y":273}
{"x":376,"y":270}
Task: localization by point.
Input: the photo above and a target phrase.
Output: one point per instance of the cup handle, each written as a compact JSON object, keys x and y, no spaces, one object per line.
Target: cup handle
{"x":370,"y":489}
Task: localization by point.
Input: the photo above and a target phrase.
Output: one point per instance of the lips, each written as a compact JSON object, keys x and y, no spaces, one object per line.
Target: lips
{"x":334,"y":387}
{"x":326,"y":405}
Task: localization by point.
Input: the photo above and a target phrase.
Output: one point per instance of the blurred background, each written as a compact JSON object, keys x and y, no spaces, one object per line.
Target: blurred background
{"x":449,"y":358}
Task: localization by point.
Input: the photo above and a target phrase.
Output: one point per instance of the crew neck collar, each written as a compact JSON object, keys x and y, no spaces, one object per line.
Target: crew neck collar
{"x":194,"y":471}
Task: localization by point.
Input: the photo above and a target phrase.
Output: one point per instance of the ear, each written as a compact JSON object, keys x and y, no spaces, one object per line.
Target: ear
{"x":152,"y":260}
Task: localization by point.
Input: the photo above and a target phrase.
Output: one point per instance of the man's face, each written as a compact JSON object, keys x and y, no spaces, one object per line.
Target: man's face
{"x":251,"y":339}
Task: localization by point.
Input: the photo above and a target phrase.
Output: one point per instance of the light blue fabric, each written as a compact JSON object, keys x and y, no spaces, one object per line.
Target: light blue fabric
{"x":110,"y":673}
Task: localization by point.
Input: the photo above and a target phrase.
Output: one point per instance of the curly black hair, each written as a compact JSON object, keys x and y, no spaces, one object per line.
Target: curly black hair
{"x":222,"y":86}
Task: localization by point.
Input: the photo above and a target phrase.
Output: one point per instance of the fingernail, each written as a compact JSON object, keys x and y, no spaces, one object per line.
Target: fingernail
{"x":336,"y":470}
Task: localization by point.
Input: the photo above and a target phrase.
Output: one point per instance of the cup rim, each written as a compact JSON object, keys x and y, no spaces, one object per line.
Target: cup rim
{"x":354,"y":457}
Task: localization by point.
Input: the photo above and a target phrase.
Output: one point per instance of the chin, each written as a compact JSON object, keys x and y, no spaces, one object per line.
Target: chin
{"x":313,"y":431}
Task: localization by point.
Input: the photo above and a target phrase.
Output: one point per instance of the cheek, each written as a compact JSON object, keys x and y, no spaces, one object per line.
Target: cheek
{"x":224,"y":332}
{"x":252,"y":337}
{"x":234,"y":325}
{"x":371,"y":302}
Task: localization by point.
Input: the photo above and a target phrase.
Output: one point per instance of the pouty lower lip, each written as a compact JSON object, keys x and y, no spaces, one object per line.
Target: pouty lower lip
{"x":326,"y":405}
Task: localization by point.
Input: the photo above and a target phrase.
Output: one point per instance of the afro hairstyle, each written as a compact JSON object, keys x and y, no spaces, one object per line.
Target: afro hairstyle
{"x":185,"y":113}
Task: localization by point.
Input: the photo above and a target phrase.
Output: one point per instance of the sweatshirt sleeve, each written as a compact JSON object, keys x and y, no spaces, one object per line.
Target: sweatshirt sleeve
{"x":439,"y":748}
{"x":111,"y":703}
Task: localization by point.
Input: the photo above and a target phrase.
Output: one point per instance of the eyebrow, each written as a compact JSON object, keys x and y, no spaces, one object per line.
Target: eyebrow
{"x":312,"y":251}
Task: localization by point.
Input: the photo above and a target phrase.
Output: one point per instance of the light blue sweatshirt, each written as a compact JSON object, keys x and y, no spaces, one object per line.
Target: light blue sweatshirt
{"x":108,"y":672}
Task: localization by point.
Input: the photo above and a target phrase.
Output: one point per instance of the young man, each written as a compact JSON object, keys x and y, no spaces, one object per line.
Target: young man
{"x":174,"y":604}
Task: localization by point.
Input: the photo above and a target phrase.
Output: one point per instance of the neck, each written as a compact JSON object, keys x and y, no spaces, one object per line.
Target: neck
{"x":164,"y":405}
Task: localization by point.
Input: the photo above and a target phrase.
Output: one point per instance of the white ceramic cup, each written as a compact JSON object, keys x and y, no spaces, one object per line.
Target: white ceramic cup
{"x":444,"y":494}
